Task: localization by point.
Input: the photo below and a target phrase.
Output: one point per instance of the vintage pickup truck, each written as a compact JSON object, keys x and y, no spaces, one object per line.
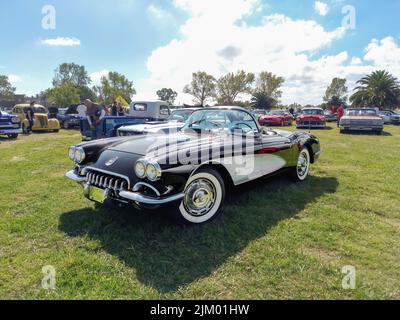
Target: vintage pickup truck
{"x":10,"y":125}
{"x":140,"y":112}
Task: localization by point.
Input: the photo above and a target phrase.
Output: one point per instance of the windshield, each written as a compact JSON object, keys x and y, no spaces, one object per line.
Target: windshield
{"x":221,"y":119}
{"x":313,"y":112}
{"x":361,"y":112}
{"x":180,"y":115}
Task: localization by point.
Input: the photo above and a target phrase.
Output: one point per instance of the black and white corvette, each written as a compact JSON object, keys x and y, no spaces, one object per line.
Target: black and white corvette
{"x":189,"y":171}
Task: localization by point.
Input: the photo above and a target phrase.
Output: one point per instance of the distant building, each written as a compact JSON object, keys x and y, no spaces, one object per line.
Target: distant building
{"x":9,"y":102}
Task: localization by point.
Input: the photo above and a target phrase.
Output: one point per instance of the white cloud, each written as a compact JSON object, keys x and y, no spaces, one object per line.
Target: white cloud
{"x":62,"y":42}
{"x":96,"y":76}
{"x":321,"y":8}
{"x":13,"y":78}
{"x":384,"y":53}
{"x":219,"y":44}
{"x":156,"y":12}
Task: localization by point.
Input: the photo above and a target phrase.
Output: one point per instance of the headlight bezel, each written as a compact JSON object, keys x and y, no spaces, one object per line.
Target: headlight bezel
{"x":141,"y":162}
{"x":80,"y":155}
{"x":152,"y":170}
{"x":71,"y":153}
{"x":15,"y":120}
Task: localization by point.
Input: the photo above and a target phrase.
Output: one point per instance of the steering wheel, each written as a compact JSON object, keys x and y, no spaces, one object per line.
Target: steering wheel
{"x":236,"y":126}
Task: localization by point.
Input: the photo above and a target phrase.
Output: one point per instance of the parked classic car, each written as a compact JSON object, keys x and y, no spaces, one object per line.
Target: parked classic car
{"x":69,"y":117}
{"x":175,"y":122}
{"x":361,"y":119}
{"x":41,"y":120}
{"x":140,"y":112}
{"x":188,"y":172}
{"x":330,"y":116}
{"x":395,"y":118}
{"x":311,"y":118}
{"x":276,"y":118}
{"x":10,"y":125}
{"x":389,"y":117}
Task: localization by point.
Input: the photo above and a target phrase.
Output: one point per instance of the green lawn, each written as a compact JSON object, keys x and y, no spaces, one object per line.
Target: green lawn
{"x":276,"y":240}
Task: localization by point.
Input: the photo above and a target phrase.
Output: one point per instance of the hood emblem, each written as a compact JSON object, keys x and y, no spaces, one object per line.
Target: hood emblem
{"x":111,"y":161}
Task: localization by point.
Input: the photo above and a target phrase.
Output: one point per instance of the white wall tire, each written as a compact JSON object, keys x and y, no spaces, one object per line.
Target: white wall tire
{"x":302,"y":169}
{"x":204,"y":197}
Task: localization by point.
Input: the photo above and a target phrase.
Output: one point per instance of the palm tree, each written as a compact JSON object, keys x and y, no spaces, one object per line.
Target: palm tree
{"x":261,"y":100}
{"x":379,"y":89}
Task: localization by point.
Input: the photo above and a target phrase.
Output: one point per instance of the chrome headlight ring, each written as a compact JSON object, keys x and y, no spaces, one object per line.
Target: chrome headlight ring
{"x":15,"y":120}
{"x":72,"y":153}
{"x":149,"y":169}
{"x":140,"y":168}
{"x":79,"y":155}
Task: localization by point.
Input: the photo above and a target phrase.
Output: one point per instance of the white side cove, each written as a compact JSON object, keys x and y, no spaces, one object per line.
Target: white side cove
{"x":243,"y":169}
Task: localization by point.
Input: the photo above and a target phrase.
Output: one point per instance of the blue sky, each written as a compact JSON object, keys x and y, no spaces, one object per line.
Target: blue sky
{"x":160,"y":43}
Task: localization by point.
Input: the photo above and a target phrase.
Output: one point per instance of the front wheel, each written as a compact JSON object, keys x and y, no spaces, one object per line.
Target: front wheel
{"x":302,"y":169}
{"x":13,"y":136}
{"x":204,"y":198}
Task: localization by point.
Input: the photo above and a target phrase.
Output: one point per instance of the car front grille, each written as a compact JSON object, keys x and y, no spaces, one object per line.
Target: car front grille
{"x":106,"y":181}
{"x":4,"y":121}
{"x":361,"y":122}
{"x":43,"y":120}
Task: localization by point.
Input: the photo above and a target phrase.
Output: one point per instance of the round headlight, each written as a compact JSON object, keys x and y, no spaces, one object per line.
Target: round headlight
{"x":140,"y":169}
{"x":79,"y":155}
{"x":153,"y":171}
{"x":15,"y":120}
{"x":72,"y":153}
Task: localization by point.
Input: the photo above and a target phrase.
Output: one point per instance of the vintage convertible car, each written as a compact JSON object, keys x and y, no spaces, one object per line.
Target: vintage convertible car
{"x":41,"y":121}
{"x":361,"y":119}
{"x":10,"y":125}
{"x":174,"y":123}
{"x":276,"y":118}
{"x":189,"y":171}
{"x":311,"y":118}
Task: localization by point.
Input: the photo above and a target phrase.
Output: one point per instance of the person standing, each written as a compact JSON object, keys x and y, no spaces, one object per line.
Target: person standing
{"x":81,"y":109}
{"x":95,"y":113}
{"x":114,"y":108}
{"x":120,"y":110}
{"x":30,"y":113}
{"x":340,"y":112}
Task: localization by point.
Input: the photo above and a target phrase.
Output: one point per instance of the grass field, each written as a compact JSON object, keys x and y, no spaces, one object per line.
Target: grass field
{"x":276,"y":240}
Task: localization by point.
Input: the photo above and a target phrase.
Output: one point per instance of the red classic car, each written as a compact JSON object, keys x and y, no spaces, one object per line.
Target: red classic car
{"x":311,"y":118}
{"x":276,"y":118}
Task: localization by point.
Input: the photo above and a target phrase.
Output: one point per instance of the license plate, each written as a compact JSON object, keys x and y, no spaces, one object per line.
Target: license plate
{"x":97,"y":194}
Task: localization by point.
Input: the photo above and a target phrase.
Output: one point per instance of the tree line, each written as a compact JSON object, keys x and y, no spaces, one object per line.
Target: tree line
{"x":72,"y":84}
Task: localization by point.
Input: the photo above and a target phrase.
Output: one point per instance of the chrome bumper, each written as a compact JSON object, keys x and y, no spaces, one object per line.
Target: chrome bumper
{"x":10,"y":131}
{"x":137,"y":197}
{"x":132,"y":196}
{"x":73,"y":176}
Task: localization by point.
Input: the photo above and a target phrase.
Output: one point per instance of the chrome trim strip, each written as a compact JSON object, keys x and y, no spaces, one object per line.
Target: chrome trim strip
{"x":133,"y":196}
{"x":73,"y":176}
{"x":137,"y":186}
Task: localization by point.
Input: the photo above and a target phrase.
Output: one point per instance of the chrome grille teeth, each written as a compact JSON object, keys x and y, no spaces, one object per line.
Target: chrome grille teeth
{"x":106,"y":182}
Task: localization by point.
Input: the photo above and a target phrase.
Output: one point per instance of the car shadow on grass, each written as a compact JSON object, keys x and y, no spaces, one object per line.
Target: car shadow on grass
{"x":167,"y":256}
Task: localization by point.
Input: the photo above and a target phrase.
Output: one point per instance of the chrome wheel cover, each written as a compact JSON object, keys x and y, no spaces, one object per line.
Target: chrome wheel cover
{"x":200,"y":197}
{"x":303,"y":165}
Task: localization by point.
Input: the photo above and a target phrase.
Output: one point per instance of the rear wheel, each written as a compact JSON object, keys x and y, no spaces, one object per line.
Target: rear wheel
{"x":13,"y":136}
{"x":302,"y":169}
{"x":204,"y":198}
